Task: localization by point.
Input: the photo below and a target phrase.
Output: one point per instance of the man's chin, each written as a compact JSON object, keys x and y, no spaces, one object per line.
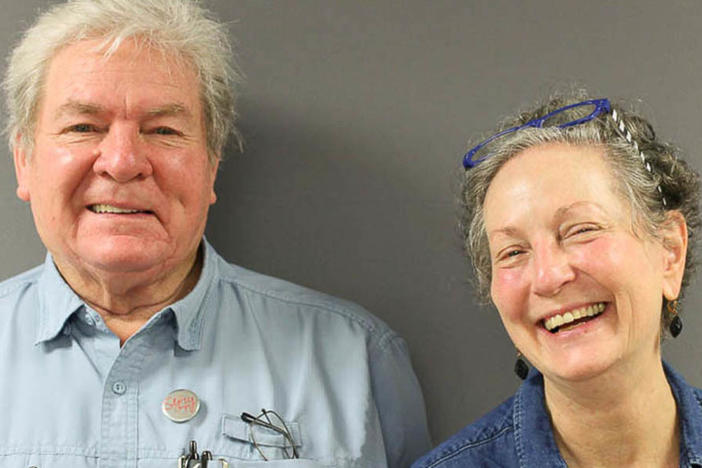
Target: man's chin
{"x":123,"y":256}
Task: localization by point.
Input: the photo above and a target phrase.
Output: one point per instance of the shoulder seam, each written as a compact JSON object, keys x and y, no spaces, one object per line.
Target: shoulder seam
{"x":341,"y":311}
{"x":13,"y":286}
{"x":385,"y":339}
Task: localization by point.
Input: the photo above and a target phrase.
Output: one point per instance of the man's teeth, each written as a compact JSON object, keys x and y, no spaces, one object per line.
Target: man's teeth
{"x":111,"y":209}
{"x":573,"y":315}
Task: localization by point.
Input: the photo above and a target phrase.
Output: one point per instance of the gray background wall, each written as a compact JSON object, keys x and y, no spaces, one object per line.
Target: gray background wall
{"x":356,"y":115}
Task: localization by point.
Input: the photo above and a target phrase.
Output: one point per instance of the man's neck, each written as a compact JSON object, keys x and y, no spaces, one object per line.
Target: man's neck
{"x":126,"y":301}
{"x":625,"y":417}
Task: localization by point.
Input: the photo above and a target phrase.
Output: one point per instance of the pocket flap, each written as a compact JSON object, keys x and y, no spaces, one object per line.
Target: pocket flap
{"x":234,"y":428}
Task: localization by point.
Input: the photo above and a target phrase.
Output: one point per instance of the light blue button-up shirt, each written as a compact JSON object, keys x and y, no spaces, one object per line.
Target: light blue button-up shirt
{"x":71,"y":397}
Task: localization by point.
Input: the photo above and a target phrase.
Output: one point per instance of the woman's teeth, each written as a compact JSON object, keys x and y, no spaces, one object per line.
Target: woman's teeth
{"x":571,"y":316}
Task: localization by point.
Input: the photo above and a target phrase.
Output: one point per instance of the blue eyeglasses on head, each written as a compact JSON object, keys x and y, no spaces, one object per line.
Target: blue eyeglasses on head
{"x":567,"y":116}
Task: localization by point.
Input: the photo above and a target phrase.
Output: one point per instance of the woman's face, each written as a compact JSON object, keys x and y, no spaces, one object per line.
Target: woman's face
{"x":577,"y":290}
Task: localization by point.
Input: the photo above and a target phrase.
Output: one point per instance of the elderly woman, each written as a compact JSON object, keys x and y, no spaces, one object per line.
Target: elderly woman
{"x":579,"y":222}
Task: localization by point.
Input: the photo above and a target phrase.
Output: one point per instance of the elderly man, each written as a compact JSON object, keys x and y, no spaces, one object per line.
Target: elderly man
{"x":135,"y":338}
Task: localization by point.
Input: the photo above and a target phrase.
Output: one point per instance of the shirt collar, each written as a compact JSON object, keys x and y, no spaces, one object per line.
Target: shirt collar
{"x":57,"y":302}
{"x":690,"y":413}
{"x":533,"y":434}
{"x":190,"y":311}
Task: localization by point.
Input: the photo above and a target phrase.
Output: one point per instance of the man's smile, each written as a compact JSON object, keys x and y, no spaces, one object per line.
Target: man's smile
{"x":102,"y":209}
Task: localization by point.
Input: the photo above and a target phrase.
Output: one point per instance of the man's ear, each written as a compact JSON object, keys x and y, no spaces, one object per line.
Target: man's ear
{"x":213,"y":174}
{"x":674,"y":239}
{"x":22,"y":169}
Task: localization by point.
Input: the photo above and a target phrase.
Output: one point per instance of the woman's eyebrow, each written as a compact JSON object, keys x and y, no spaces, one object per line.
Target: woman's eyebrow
{"x":508,"y":231}
{"x":564,"y":210}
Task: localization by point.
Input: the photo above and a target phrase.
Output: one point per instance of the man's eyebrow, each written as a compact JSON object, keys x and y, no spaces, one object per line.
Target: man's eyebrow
{"x":78,"y":108}
{"x":169,"y":110}
{"x":86,"y":108}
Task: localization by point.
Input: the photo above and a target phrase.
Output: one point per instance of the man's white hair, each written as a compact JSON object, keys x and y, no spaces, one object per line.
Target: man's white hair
{"x":182,"y":29}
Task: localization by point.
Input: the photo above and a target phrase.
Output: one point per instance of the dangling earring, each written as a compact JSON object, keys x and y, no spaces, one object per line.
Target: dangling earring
{"x":520,"y":367}
{"x":676,"y":324}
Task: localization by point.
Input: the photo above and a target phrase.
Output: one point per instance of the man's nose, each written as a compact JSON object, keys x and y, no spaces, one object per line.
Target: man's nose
{"x":552,"y":269}
{"x":122,"y":154}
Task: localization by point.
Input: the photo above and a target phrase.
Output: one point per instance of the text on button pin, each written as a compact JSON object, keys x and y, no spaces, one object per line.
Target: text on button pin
{"x":181,"y":405}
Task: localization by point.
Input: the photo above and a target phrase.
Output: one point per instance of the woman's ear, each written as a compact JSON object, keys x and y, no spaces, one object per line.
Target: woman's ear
{"x":674,"y":239}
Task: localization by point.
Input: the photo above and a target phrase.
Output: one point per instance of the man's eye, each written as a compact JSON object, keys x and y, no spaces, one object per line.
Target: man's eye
{"x":165,"y":131}
{"x":82,"y":128}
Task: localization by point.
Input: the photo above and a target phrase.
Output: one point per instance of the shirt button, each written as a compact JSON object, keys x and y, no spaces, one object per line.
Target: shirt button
{"x":88,"y":320}
{"x":119,"y":388}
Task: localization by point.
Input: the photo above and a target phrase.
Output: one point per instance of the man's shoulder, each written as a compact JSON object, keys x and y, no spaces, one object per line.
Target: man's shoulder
{"x":19,"y":282}
{"x":291,"y":296}
{"x":489,"y":441}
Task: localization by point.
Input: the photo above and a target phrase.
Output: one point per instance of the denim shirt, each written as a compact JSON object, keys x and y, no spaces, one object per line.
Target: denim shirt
{"x":518,"y":433}
{"x":72,"y":397}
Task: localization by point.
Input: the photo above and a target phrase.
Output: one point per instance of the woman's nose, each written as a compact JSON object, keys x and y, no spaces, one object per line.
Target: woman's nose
{"x":552,"y":269}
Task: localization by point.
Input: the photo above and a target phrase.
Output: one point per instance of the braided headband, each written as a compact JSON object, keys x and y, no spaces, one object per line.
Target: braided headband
{"x":624,"y":132}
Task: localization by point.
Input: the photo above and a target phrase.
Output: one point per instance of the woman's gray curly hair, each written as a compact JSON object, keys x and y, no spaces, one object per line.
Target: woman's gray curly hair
{"x":678,"y":182}
{"x":182,"y":29}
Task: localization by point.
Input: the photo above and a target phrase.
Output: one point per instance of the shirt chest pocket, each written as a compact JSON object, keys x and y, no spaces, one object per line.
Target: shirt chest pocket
{"x":266,"y":442}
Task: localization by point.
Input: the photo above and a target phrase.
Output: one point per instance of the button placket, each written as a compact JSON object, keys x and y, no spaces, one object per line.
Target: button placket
{"x":120,"y":406}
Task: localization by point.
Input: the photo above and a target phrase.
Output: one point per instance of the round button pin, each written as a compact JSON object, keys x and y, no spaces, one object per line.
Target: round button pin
{"x":180,"y":405}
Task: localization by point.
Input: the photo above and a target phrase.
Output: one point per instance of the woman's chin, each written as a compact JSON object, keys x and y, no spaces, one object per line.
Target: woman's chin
{"x":578,"y":366}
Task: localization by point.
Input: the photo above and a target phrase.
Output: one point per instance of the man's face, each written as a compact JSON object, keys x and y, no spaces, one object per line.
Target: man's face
{"x":119,"y":180}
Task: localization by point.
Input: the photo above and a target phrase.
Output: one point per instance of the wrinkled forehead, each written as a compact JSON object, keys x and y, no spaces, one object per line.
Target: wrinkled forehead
{"x":545,"y":178}
{"x":89,"y":75}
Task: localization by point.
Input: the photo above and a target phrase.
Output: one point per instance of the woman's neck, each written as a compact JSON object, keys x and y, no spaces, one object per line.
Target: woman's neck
{"x":625,"y":417}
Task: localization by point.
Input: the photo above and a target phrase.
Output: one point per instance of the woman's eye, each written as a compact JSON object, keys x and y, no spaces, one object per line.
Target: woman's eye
{"x":582,"y":229}
{"x":509,"y":255}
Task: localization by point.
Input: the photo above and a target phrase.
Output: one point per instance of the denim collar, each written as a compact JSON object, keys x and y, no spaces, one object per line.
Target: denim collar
{"x":689,"y":400}
{"x":533,"y":435}
{"x":536,"y":446}
{"x":58,"y":302}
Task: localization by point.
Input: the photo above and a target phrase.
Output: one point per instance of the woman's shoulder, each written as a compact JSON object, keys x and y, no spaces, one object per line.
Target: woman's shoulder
{"x":489,"y":441}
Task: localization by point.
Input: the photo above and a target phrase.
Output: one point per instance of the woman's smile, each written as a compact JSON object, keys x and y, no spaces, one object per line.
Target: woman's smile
{"x":572,"y":318}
